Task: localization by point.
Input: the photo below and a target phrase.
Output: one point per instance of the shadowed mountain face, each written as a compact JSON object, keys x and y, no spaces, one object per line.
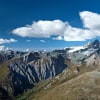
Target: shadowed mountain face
{"x":4,"y":95}
{"x":95,"y":44}
{"x":21,"y":71}
{"x":33,"y":67}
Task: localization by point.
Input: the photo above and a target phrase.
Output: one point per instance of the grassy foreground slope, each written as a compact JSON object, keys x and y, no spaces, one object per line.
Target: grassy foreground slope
{"x":3,"y":70}
{"x":69,"y":85}
{"x":85,"y":86}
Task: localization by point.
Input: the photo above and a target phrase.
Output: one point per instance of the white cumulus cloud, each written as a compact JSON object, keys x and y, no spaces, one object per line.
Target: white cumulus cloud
{"x":77,"y":34}
{"x":42,"y":41}
{"x":28,"y":40}
{"x":63,"y":30}
{"x":41,"y":29}
{"x":90,"y":20}
{"x":3,"y":41}
{"x":58,"y":38}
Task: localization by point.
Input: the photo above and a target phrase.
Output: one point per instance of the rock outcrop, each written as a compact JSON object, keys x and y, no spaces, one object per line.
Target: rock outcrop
{"x":34,"y":67}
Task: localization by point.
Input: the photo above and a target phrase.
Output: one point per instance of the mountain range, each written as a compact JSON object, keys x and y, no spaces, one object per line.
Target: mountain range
{"x":72,"y":73}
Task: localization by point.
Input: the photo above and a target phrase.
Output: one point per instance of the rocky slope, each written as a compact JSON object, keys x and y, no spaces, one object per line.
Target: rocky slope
{"x":33,"y":67}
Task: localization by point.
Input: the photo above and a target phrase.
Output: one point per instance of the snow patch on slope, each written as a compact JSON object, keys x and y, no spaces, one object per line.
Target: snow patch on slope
{"x":76,"y":48}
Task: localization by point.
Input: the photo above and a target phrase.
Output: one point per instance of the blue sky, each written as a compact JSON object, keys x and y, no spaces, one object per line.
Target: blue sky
{"x":23,"y":23}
